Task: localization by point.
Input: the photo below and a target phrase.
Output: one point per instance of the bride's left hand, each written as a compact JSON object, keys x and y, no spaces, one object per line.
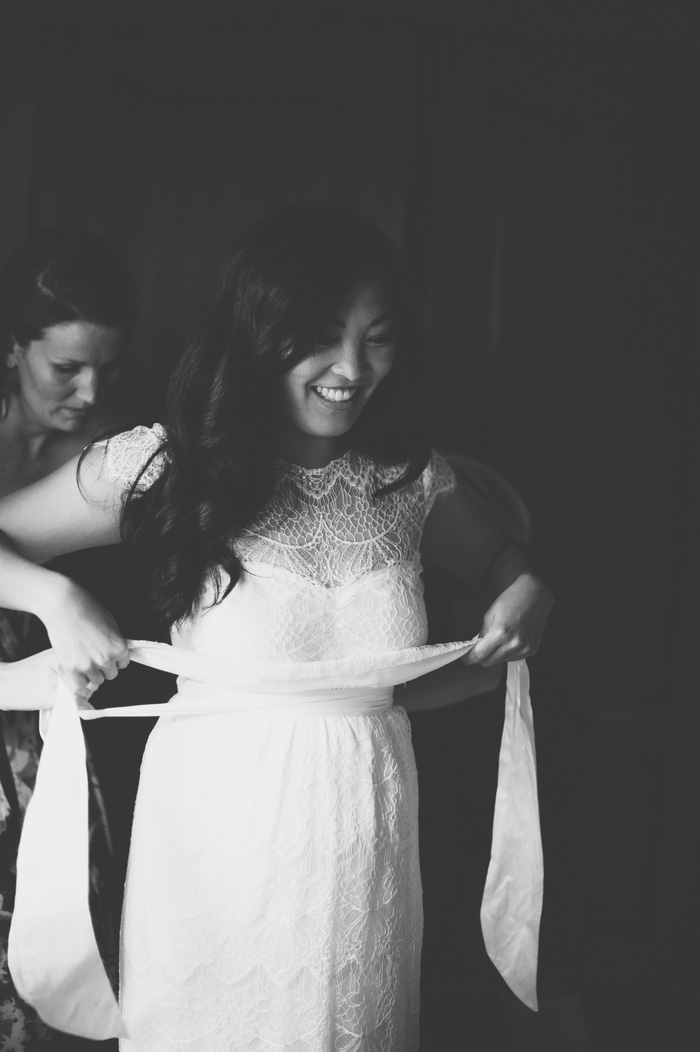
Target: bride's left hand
{"x":514,"y":624}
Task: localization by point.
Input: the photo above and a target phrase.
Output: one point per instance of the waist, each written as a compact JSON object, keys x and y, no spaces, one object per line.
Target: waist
{"x":195,"y":698}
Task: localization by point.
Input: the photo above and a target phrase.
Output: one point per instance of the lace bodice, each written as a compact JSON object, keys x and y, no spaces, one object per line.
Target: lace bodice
{"x":325,"y":525}
{"x":329,"y":570}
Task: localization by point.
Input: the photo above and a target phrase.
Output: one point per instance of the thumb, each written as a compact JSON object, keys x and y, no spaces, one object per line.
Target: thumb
{"x":477,"y":653}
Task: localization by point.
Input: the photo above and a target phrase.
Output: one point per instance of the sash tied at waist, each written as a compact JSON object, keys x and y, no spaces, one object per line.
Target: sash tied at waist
{"x":53,"y":955}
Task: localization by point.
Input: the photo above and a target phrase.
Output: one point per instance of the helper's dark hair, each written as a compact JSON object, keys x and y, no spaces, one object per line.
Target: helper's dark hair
{"x":277,"y":291}
{"x":56,"y":276}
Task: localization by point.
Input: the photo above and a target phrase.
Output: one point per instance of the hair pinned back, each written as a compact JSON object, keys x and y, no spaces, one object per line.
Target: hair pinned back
{"x":58,"y":276}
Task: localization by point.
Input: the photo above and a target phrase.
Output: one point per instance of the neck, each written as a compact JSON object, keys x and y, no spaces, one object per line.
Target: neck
{"x":308,"y":451}
{"x":24,"y":433}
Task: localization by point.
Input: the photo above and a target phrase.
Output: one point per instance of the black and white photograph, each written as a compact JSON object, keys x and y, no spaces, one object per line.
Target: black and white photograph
{"x":348,"y":541}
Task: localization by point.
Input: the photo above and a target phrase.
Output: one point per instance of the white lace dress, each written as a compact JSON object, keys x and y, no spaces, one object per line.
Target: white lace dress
{"x":273,"y":899}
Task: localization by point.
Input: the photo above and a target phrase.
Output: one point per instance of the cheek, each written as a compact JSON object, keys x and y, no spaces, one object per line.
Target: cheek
{"x":383,"y":366}
{"x":55,"y":387}
{"x":294,"y":388}
{"x":36,"y":382}
{"x":288,"y":398}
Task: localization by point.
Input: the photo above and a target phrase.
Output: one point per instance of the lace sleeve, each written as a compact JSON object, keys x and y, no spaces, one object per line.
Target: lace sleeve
{"x":125,"y":454}
{"x":438,"y":478}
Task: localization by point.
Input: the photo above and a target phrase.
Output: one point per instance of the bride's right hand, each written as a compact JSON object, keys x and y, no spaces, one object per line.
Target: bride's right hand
{"x":85,"y":638}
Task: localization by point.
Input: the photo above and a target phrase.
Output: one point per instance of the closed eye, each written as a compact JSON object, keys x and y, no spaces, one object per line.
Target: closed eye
{"x":327,"y":340}
{"x":381,"y":339}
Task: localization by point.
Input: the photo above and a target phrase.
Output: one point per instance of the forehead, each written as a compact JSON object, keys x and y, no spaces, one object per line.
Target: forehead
{"x":368,"y":299}
{"x":81,"y":341}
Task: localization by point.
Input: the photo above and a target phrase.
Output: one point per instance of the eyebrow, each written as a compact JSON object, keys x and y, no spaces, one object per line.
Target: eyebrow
{"x":80,"y":361}
{"x":377,"y":321}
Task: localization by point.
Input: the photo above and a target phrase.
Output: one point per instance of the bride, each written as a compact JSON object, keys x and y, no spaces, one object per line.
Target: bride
{"x":273,"y":896}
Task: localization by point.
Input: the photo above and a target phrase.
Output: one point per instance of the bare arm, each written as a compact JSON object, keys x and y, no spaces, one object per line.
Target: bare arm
{"x":448,"y":686}
{"x":464,"y":541}
{"x":49,"y":518}
{"x":57,"y":515}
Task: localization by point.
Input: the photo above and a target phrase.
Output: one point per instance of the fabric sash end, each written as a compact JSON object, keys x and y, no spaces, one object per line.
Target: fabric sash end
{"x":512,"y":902}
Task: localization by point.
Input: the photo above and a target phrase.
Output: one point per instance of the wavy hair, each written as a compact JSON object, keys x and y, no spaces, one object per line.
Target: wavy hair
{"x":276,"y":292}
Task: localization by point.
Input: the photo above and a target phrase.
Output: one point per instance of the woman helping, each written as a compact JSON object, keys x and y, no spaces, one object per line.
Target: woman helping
{"x":66,"y":307}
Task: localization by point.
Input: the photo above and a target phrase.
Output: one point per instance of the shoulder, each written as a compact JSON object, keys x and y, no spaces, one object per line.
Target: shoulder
{"x":438,"y":477}
{"x":142,"y":451}
{"x":494,"y":495}
{"x":419,"y":495}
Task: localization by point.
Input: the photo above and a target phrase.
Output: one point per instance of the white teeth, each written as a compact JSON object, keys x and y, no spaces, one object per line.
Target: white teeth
{"x":336,"y":394}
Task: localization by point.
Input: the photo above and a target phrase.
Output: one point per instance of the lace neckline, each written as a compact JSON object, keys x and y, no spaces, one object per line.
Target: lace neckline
{"x":288,"y":467}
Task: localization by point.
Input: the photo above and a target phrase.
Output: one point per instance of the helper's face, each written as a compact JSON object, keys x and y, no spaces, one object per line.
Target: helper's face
{"x":324,"y":394}
{"x":66,"y":373}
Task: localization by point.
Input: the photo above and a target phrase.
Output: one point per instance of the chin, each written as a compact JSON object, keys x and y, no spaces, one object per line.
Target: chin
{"x":337,"y":428}
{"x":70,"y":425}
{"x":336,"y":432}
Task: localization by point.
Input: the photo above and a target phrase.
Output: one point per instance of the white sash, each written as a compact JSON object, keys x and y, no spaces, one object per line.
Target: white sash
{"x":53,"y":955}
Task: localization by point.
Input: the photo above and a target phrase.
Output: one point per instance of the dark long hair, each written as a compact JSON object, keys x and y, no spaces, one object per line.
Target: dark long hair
{"x":276,"y":292}
{"x":56,"y":276}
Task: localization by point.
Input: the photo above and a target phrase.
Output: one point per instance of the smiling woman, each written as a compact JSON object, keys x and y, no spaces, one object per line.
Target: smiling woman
{"x":323,"y":395}
{"x":66,"y":305}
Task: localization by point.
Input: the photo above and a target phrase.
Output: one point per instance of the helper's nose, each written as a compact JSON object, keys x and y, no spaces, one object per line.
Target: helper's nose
{"x":88,"y":386}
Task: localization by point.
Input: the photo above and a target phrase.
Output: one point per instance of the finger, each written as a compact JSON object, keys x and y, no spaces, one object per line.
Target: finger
{"x":82,"y":693}
{"x":123,"y":661}
{"x":94,"y":679}
{"x":510,"y":651}
{"x":75,"y":681}
{"x":485,"y":648}
{"x":499,"y":657}
{"x":81,"y":684}
{"x":85,"y":692}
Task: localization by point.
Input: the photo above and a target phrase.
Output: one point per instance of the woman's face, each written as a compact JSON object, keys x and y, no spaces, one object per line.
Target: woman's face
{"x":64,"y":375}
{"x":323,"y":395}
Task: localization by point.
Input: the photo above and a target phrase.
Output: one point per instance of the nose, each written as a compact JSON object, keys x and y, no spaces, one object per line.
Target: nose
{"x":351,"y":363}
{"x":88,"y":387}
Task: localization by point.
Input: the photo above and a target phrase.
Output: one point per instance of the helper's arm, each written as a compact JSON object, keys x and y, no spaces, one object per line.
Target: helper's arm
{"x":56,"y":515}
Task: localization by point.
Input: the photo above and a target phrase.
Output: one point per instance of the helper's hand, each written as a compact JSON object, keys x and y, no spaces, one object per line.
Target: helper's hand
{"x":514,"y":623}
{"x":30,"y":684}
{"x":85,"y":637}
{"x":27,"y":685}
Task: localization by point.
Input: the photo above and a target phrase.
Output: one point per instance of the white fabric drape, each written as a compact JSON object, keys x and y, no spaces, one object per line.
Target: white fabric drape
{"x":53,"y":955}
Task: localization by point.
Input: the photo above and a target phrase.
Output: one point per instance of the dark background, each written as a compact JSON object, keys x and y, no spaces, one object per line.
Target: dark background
{"x":537,"y":163}
{"x":535,"y":160}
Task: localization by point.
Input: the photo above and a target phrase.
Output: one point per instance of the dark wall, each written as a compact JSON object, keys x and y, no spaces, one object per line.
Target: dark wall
{"x":599,"y":324}
{"x":535,"y":161}
{"x":18,"y":58}
{"x":170,"y":128}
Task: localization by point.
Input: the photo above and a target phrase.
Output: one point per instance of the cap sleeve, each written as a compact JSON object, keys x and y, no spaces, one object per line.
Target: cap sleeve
{"x":438,"y":478}
{"x":126,"y":454}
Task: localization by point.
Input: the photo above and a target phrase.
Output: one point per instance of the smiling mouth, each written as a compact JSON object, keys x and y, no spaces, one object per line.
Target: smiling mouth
{"x":337,"y":397}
